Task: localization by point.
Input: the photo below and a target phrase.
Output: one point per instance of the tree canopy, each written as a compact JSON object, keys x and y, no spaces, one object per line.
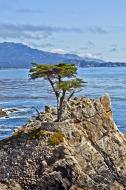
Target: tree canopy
{"x":62,"y":78}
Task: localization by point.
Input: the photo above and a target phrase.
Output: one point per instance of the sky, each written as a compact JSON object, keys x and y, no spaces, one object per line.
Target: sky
{"x":90,"y":28}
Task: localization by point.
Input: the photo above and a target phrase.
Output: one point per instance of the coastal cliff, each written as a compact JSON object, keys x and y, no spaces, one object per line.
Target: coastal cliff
{"x":83,"y":152}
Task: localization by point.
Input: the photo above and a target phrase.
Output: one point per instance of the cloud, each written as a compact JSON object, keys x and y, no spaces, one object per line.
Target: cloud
{"x":90,"y":55}
{"x":123,"y":49}
{"x":83,"y":48}
{"x":40,"y":31}
{"x":22,"y":31}
{"x":114,"y":46}
{"x":58,"y":50}
{"x":32,"y":11}
{"x":38,"y":34}
{"x":99,"y":54}
{"x":35,"y":32}
{"x":97,"y":30}
{"x":91,"y":44}
{"x":105,"y":30}
{"x":118,"y":28}
{"x":113,"y":50}
{"x":41,"y":45}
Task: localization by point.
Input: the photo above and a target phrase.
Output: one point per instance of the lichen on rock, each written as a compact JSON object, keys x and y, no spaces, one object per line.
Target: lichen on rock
{"x":85,"y":151}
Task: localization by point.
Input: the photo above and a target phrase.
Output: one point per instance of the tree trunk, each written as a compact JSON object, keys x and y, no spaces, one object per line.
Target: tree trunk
{"x":59,"y":111}
{"x":60,"y":107}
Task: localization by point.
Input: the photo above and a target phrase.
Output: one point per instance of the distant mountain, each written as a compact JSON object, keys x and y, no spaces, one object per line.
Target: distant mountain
{"x":17,"y":55}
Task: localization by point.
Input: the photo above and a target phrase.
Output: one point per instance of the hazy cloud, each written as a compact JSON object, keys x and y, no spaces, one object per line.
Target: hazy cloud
{"x":41,"y":45}
{"x":58,"y":50}
{"x":118,"y":29}
{"x":91,"y":44}
{"x":40,"y":31}
{"x":35,"y":32}
{"x":123,"y":49}
{"x":90,"y":55}
{"x":113,"y":50}
{"x":114,"y":45}
{"x":83,"y":48}
{"x":97,"y":30}
{"x":99,"y":54}
{"x":33,"y":11}
{"x":106,"y":30}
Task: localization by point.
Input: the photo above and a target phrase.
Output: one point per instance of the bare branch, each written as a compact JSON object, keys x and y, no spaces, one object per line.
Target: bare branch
{"x":38,"y":112}
{"x":71,"y":95}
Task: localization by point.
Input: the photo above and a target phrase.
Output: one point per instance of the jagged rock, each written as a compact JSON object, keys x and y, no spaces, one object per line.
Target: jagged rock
{"x":3,"y":113}
{"x":83,"y":152}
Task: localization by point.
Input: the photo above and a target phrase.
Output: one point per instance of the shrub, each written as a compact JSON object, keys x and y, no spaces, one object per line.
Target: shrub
{"x":56,"y":138}
{"x":39,"y":134}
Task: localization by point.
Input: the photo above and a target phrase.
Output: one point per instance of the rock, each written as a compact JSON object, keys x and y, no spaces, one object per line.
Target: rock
{"x":10,"y":186}
{"x":87,"y":151}
{"x":44,"y":164}
{"x":12,"y":110}
{"x":3,"y":113}
{"x":47,"y":109}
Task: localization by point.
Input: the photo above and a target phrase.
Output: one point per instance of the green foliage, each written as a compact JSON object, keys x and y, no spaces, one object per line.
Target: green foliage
{"x":56,"y":138}
{"x":52,"y":71}
{"x":62,"y":78}
{"x":35,"y":134}
{"x":70,"y":84}
{"x":53,"y":138}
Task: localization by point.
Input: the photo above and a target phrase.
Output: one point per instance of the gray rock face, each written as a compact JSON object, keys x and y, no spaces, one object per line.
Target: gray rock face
{"x":83,"y":152}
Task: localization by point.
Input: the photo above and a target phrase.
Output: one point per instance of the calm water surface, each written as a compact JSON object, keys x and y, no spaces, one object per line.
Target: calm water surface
{"x":17,"y":91}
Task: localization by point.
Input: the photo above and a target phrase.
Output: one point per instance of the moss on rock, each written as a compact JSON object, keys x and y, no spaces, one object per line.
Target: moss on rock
{"x":39,"y":134}
{"x":56,"y":138}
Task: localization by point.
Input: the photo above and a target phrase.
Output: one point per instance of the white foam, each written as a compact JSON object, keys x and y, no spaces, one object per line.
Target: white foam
{"x":4,"y":130}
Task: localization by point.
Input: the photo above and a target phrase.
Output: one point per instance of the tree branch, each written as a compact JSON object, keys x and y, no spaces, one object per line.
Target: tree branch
{"x":53,"y":87}
{"x":70,"y":96}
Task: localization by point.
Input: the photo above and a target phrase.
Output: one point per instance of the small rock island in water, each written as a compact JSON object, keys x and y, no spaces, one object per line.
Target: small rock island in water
{"x":83,"y":152}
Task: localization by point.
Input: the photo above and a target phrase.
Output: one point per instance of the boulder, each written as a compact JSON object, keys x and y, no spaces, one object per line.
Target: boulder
{"x":3,"y":113}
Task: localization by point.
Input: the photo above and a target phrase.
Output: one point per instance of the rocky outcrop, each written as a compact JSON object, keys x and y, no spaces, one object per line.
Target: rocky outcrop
{"x":83,"y":152}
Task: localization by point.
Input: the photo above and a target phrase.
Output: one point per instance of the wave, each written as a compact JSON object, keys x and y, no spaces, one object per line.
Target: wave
{"x":14,"y":117}
{"x":22,"y":97}
{"x":5,"y":130}
{"x":16,"y":109}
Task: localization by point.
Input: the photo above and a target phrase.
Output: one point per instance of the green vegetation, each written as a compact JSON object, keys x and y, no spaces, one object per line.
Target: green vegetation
{"x":56,"y":138}
{"x":63,"y":80}
{"x":39,"y":134}
{"x":53,"y":138}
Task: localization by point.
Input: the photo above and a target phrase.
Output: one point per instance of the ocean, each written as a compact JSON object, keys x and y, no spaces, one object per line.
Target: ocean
{"x":19,"y":92}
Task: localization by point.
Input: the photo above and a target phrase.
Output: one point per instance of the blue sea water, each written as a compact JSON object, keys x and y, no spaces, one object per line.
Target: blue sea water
{"x":18,"y":91}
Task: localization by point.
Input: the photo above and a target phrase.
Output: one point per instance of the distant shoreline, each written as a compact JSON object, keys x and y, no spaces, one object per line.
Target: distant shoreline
{"x":20,"y":56}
